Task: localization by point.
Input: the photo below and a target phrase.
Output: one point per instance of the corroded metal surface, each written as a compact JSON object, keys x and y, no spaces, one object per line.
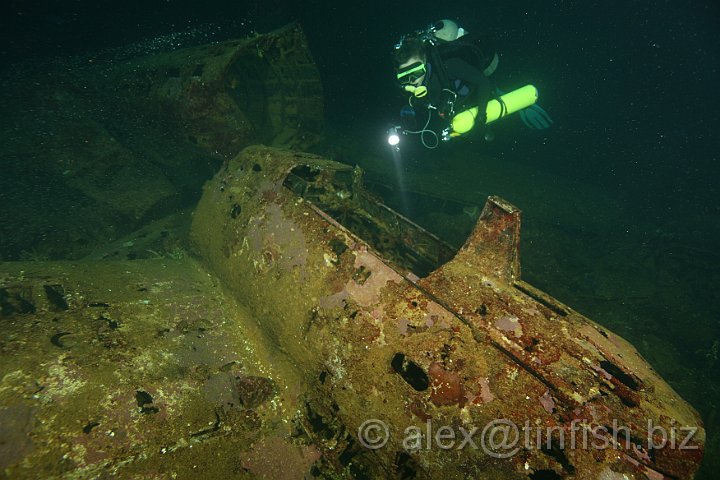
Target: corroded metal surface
{"x":227,"y":95}
{"x":589,"y":374}
{"x":137,"y":370}
{"x":467,"y":348}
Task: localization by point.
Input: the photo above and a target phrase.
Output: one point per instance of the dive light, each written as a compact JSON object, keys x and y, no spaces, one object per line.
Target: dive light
{"x":394,"y":137}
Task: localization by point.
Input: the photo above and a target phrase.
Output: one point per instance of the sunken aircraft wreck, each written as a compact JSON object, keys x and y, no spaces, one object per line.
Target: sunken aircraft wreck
{"x":319,"y":325}
{"x":316,"y":333}
{"x":390,"y":326}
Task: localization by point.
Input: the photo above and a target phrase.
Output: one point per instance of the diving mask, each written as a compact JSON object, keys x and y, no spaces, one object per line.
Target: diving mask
{"x":411,"y":73}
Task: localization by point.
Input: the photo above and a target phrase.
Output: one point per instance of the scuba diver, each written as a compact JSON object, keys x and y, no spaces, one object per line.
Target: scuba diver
{"x":448,"y":72}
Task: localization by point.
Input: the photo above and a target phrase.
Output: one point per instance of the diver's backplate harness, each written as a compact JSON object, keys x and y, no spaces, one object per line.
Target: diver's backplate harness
{"x":446,"y":105}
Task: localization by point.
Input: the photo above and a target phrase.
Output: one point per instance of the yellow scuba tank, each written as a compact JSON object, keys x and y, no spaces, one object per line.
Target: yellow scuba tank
{"x":508,"y":103}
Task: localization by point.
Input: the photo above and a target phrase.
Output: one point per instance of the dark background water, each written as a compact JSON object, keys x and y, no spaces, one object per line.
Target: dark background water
{"x":633,"y":87}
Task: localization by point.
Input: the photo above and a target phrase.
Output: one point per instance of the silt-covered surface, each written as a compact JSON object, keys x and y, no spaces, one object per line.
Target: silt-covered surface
{"x":141,"y":368}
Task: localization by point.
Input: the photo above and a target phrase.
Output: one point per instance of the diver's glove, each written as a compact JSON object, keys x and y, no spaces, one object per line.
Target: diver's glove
{"x":534,"y":116}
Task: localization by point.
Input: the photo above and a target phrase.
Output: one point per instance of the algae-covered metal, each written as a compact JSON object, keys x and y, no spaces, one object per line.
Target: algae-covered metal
{"x":426,"y":362}
{"x":137,"y":369}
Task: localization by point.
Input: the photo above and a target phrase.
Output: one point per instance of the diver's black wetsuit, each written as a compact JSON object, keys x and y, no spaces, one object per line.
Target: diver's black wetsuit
{"x":469,"y":83}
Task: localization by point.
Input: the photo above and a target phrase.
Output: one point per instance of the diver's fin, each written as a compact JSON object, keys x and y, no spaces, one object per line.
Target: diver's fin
{"x":536,"y":117}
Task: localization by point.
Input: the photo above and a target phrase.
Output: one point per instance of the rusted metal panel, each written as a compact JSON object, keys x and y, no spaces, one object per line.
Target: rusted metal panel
{"x":136,"y":369}
{"x":590,"y":373}
{"x":225,"y":96}
{"x":386,"y":323}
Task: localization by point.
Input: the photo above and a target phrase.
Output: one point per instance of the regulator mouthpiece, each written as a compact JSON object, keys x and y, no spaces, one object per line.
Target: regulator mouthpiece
{"x":419,"y":92}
